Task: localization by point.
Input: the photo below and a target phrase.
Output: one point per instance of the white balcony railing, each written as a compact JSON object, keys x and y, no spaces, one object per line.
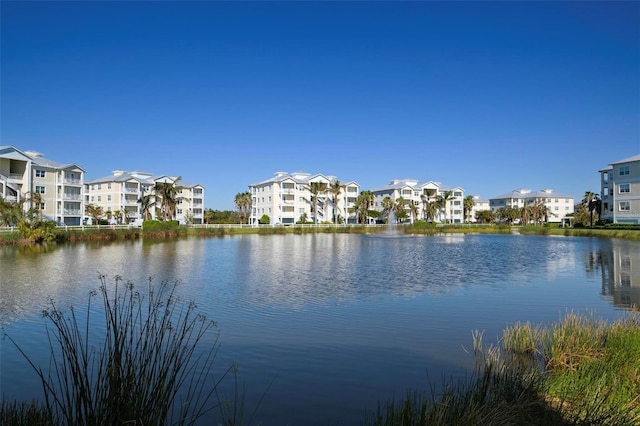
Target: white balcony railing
{"x":71,"y":181}
{"x":71,"y":212}
{"x":74,"y":197}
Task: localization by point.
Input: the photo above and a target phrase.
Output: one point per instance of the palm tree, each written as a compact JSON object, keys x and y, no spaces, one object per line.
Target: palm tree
{"x":168,"y":194}
{"x":442,"y":202}
{"x":387,"y":206}
{"x":10,"y":212}
{"x":398,"y":208}
{"x":467,"y":205}
{"x":363,"y":205}
{"x":35,"y":201}
{"x":147,"y":202}
{"x":96,"y":212}
{"x":316,"y":188}
{"x":414,"y":210}
{"x":335,"y":188}
{"x":593,"y":203}
{"x":429,"y":207}
{"x":243,"y":203}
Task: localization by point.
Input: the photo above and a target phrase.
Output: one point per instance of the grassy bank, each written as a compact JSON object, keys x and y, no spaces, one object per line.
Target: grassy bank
{"x":579,"y":371}
{"x":623,"y":232}
{"x":106,"y":233}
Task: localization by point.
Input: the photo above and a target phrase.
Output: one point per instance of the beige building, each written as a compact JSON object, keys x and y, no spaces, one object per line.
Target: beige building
{"x":558,"y":205}
{"x":479,"y":204}
{"x":416,"y":193}
{"x":287,"y":196}
{"x":120,"y":195}
{"x":620,"y":191}
{"x":27,"y":177}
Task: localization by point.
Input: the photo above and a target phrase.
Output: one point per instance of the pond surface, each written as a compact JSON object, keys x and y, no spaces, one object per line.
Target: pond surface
{"x":329,"y":323}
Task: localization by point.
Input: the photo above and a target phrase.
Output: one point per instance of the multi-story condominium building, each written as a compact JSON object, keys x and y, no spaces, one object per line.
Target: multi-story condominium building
{"x":479,"y":204}
{"x":420,"y":193}
{"x":620,"y":191}
{"x":558,"y":205}
{"x":120,"y":195}
{"x":286,"y":197}
{"x":56,"y":188}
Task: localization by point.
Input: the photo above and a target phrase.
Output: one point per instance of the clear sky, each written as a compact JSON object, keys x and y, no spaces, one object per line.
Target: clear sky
{"x":489,"y":96}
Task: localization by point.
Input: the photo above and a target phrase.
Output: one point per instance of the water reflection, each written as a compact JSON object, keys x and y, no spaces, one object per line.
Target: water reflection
{"x":618,"y":262}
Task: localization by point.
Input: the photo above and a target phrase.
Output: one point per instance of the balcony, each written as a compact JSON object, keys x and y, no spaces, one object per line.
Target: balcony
{"x":131,"y":189}
{"x":71,"y":212}
{"x":72,"y":197}
{"x":71,"y":181}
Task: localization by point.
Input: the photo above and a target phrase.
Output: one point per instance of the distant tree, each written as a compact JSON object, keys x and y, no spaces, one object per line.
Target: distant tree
{"x":399,"y":209}
{"x":147,"y":203}
{"x":95,"y":212}
{"x":303,"y":218}
{"x":244,"y":203}
{"x":387,"y":206}
{"x":443,"y":201}
{"x":335,"y":188}
{"x":467,"y":205}
{"x":592,"y":201}
{"x":10,"y":212}
{"x":316,"y":189}
{"x":413,"y":210}
{"x":429,"y":207}
{"x":485,"y":216}
{"x":265,"y":219}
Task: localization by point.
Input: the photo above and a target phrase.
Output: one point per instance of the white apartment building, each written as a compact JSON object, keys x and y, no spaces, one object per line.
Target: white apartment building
{"x":558,"y":205}
{"x":287,"y":196}
{"x":59,"y":186}
{"x":119,"y":195}
{"x":418,"y":193}
{"x":479,"y":204}
{"x":620,"y":191}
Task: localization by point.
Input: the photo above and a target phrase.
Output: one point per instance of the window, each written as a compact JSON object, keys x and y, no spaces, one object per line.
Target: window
{"x":108,"y":197}
{"x":99,"y":198}
{"x":179,"y":211}
{"x":92,"y":198}
{"x":623,"y":188}
{"x":556,"y":207}
{"x":39,"y":189}
{"x":624,"y":170}
{"x":605,"y":177}
{"x":109,"y":186}
{"x":625,"y":206}
{"x":93,"y":187}
{"x":605,"y":192}
{"x":605,"y":207}
{"x":41,"y":206}
{"x":457,"y":194}
{"x":301,"y":210}
{"x":99,"y":186}
{"x":40,"y":173}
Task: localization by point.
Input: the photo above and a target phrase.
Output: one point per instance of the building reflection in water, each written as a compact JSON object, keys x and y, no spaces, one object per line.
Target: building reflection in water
{"x":619,"y":264}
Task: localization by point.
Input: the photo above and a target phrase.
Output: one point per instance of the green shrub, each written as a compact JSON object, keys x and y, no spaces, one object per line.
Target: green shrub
{"x":156,"y":225}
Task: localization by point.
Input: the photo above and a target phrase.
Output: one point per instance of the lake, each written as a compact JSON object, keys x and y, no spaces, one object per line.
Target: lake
{"x":329,"y":323}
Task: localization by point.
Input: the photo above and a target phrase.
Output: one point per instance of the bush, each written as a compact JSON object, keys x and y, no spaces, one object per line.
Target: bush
{"x":148,"y":370}
{"x":156,"y":225}
{"x":265,"y":219}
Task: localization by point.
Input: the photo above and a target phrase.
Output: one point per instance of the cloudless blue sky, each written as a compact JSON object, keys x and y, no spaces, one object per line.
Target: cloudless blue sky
{"x":490,"y":96}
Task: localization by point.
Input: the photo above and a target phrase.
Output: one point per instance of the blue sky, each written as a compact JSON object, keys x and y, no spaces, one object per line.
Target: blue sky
{"x":490,"y":96}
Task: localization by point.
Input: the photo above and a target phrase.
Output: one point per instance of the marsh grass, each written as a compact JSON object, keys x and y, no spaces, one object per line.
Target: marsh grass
{"x":578,"y":371}
{"x":155,"y":365}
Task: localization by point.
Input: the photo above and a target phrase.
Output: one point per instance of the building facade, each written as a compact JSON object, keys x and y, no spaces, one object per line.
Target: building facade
{"x":479,"y":204}
{"x":123,"y":196}
{"x":620,"y":191}
{"x":54,"y":188}
{"x":288,"y":197}
{"x":419,"y":194}
{"x":558,"y":205}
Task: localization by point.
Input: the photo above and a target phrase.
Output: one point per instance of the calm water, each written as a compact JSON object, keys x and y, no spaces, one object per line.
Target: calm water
{"x":334,"y":322}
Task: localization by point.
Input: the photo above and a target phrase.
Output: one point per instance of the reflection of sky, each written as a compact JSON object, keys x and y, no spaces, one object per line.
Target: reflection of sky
{"x":360,"y":317}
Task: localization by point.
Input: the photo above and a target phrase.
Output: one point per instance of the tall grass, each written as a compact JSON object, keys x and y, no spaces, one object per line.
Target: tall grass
{"x":578,"y":371}
{"x":155,"y":365}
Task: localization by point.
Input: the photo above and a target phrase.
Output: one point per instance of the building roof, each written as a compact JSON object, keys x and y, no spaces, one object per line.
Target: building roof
{"x":413,"y":184}
{"x":628,"y":160}
{"x":38,"y":158}
{"x":527,"y":193}
{"x":298,"y":177}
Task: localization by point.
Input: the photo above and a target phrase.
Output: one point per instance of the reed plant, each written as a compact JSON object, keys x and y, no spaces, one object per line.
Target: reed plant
{"x":155,"y":365}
